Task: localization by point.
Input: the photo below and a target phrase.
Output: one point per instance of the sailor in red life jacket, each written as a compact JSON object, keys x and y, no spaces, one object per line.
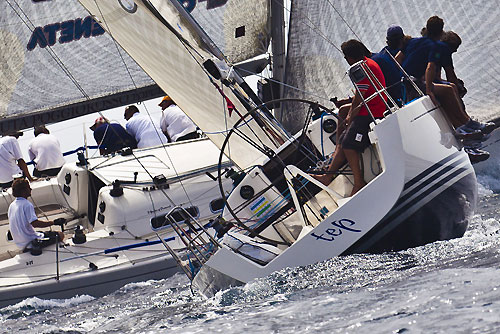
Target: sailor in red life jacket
{"x":354,"y":139}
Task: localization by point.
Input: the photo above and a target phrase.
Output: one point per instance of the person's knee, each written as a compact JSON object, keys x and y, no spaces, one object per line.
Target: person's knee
{"x":344,"y":110}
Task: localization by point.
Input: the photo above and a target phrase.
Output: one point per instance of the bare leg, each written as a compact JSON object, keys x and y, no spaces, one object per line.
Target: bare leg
{"x":353,"y":160}
{"x":338,"y":161}
{"x":449,"y":99}
{"x":343,"y":111}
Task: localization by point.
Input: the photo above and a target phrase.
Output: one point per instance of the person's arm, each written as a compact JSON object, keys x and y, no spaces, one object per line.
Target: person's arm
{"x":22,"y":164}
{"x":430,"y":75}
{"x":31,"y":155}
{"x":41,"y":223}
{"x":400,"y":57}
{"x":356,"y":105}
{"x":451,"y":76}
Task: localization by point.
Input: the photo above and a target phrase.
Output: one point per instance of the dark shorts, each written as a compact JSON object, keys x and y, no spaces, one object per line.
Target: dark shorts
{"x":46,"y":172}
{"x":355,"y":137}
{"x":191,"y":135}
{"x":49,"y":238}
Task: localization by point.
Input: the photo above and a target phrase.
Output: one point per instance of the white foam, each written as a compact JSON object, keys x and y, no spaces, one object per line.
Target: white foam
{"x":37,"y":303}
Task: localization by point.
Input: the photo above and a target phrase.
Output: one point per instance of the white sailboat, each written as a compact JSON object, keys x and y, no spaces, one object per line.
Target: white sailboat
{"x":421,"y":184}
{"x":116,"y":205}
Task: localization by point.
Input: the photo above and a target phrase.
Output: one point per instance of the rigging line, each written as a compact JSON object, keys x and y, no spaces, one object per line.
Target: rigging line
{"x":287,"y":85}
{"x":314,"y":27}
{"x":346,"y":23}
{"x":151,"y":176}
{"x":128,"y":72}
{"x":115,"y":43}
{"x":211,"y":80}
{"x":145,"y":107}
{"x":51,"y":52}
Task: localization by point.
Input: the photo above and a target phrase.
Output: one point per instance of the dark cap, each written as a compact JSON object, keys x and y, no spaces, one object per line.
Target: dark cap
{"x":13,"y":133}
{"x":394,"y":32}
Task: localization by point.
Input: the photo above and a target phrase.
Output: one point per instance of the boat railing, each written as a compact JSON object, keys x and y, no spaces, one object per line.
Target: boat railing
{"x":198,"y":243}
{"x":360,"y":70}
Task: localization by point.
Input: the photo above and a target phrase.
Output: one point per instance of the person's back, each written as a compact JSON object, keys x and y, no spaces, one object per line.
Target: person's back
{"x":113,"y":137}
{"x":9,"y":154}
{"x":142,"y":129}
{"x":376,"y":105}
{"x":392,"y":74}
{"x":45,"y":150}
{"x":176,"y":123}
{"x":416,"y":54}
{"x":21,"y":213}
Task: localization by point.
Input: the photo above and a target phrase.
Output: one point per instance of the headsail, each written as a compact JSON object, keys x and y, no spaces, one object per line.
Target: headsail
{"x":315,"y":65}
{"x":240,"y":28}
{"x":171,"y":50}
{"x":55,"y":57}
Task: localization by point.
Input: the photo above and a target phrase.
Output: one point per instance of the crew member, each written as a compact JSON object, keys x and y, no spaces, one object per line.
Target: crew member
{"x":111,"y":137}
{"x":142,"y":128}
{"x":354,"y":139}
{"x":45,"y":151}
{"x":22,"y":220}
{"x":11,"y":159}
{"x":174,"y":123}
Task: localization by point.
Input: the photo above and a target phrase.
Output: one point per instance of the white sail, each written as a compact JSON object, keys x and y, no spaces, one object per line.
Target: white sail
{"x":315,"y":65}
{"x":54,"y":56}
{"x":240,"y":28}
{"x":171,"y":51}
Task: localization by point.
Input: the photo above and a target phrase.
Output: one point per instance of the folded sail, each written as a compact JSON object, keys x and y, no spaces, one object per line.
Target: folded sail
{"x":171,"y":50}
{"x":316,"y":68}
{"x":58,"y":63}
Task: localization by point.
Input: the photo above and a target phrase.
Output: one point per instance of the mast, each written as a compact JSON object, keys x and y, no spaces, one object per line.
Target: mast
{"x":278,"y":47}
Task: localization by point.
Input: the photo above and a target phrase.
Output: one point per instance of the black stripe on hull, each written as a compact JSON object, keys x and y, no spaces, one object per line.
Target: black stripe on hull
{"x":444,"y":217}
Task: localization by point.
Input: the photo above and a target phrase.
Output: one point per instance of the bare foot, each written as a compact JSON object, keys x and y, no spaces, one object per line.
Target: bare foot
{"x":325,"y":179}
{"x":357,"y":187}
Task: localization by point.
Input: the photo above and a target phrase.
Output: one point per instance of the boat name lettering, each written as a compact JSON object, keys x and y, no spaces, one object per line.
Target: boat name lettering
{"x":69,"y":31}
{"x":163,"y":208}
{"x":342,"y":224}
{"x":189,"y":5}
{"x":29,"y":263}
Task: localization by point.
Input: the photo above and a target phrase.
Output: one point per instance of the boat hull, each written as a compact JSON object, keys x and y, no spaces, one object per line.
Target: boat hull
{"x":95,"y":283}
{"x":435,"y":205}
{"x":426,"y":192}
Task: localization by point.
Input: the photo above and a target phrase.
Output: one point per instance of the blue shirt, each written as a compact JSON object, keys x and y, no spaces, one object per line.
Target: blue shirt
{"x":391,"y":72}
{"x":417,"y":54}
{"x":441,"y":56}
{"x":113,"y":137}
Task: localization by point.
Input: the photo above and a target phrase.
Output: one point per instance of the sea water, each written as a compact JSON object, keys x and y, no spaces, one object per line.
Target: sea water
{"x":444,"y":287}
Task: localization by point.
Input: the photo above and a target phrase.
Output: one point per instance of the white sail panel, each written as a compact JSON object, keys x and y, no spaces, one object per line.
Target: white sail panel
{"x":240,"y":28}
{"x":173,"y":57}
{"x":315,"y":65}
{"x":54,"y":54}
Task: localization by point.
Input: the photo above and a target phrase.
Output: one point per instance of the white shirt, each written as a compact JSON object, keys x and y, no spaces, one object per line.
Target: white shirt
{"x":45,"y":150}
{"x":175,"y":122}
{"x":141,"y":127}
{"x":9,"y":154}
{"x":21,"y":214}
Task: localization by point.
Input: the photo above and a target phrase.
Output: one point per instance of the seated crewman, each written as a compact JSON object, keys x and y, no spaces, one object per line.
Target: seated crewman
{"x":22,"y":219}
{"x":354,"y":139}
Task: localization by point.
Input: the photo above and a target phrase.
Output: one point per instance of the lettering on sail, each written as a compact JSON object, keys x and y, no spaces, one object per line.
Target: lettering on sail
{"x":343,"y":225}
{"x":64,"y":32}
